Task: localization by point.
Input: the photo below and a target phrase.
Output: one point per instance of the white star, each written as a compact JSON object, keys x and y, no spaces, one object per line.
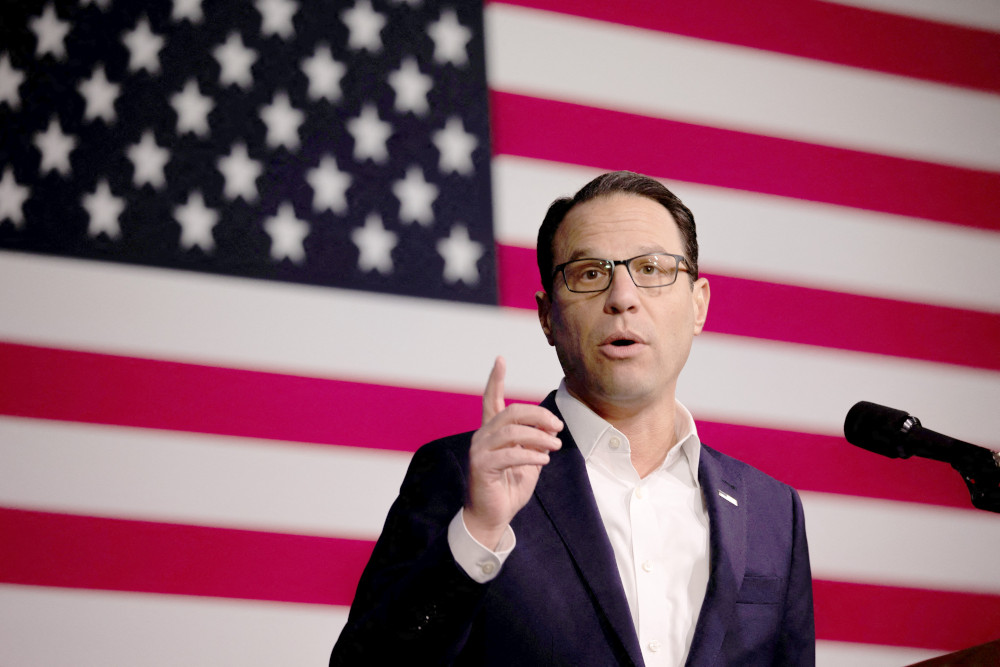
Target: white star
{"x":148,"y":158}
{"x":329,"y":186}
{"x":370,"y":134}
{"x":277,"y":17}
{"x":192,"y":109}
{"x":456,"y":146}
{"x":12,"y":198}
{"x":241,"y":173}
{"x":411,"y":86}
{"x":104,"y":209}
{"x":55,"y":148}
{"x":364,"y":24}
{"x":235,"y":61}
{"x":415,"y":197}
{"x":144,"y":48}
{"x":187,"y":9}
{"x":450,"y":39}
{"x":324,"y":74}
{"x":460,"y":255}
{"x":10,"y":80}
{"x":196,"y":221}
{"x":283,"y":121}
{"x":287,"y":234}
{"x":100,"y":95}
{"x":50,"y":33}
{"x":375,"y":243}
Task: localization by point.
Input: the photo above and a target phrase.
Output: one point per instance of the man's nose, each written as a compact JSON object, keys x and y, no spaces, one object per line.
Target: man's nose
{"x":622,"y":295}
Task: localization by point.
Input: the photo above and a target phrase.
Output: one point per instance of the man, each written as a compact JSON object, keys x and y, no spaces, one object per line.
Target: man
{"x":594,"y":529}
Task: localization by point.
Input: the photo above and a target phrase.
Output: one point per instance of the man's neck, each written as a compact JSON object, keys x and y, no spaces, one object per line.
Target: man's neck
{"x":650,"y":429}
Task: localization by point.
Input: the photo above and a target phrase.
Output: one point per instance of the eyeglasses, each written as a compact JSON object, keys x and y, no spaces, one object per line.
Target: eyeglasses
{"x":595,"y":275}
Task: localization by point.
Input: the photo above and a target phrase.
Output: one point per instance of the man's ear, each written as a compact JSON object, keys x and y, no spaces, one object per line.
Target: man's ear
{"x":544,"y":302}
{"x":700,"y":294}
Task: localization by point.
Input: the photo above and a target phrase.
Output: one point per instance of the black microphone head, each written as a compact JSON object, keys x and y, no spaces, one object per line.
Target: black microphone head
{"x":879,"y":429}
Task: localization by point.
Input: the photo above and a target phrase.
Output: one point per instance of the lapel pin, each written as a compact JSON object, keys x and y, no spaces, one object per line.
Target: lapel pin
{"x":728,"y":497}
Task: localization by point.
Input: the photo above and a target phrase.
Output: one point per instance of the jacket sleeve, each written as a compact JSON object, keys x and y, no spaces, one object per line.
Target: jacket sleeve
{"x":413,"y":599}
{"x":797,"y":639}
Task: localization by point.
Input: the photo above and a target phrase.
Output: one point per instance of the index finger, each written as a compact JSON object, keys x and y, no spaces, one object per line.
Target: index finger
{"x":493,"y":403}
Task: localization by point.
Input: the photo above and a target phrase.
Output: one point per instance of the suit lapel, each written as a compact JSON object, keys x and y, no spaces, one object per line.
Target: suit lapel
{"x":727,"y":530}
{"x":565,"y":495}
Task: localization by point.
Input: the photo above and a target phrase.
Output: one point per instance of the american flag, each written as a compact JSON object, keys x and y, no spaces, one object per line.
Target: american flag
{"x":254,"y":254}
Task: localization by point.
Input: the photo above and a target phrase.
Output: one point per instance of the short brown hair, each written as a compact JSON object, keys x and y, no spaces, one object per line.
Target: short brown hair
{"x":614,"y":182}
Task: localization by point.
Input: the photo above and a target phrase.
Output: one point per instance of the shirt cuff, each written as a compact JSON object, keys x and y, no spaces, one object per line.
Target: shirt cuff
{"x":479,"y":562}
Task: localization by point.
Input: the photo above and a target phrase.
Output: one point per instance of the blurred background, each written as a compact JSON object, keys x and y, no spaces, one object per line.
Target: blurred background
{"x":253,"y":254}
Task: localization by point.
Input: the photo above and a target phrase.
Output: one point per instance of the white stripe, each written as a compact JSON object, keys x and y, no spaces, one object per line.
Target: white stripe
{"x":660,"y":74}
{"x":335,"y":333}
{"x":197,"y":479}
{"x":891,"y":543}
{"x":786,"y":240}
{"x":981,"y":14}
{"x":49,"y":626}
{"x":241,"y":483}
{"x":840,"y":654}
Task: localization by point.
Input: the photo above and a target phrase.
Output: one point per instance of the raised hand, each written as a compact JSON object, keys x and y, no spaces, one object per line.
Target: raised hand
{"x":506,"y":456}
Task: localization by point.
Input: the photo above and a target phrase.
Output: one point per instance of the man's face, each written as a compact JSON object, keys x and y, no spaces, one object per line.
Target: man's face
{"x":621,"y":349}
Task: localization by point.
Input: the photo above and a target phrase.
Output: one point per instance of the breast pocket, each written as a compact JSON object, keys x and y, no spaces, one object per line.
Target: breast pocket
{"x":762,"y":590}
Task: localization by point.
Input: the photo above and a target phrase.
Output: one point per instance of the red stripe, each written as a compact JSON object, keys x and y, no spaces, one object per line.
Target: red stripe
{"x":106,"y":389}
{"x":822,"y":31}
{"x":837,"y":320}
{"x":59,"y":550}
{"x":938,"y":620}
{"x":85,"y":387}
{"x":572,"y":133}
{"x":829,"y":464}
{"x":43,"y":549}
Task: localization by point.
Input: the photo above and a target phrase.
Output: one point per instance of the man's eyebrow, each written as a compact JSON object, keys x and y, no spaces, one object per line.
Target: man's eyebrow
{"x":591,"y":254}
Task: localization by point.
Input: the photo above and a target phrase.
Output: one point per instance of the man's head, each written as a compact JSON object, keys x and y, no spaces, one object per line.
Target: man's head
{"x":623,"y":345}
{"x":607,"y":184}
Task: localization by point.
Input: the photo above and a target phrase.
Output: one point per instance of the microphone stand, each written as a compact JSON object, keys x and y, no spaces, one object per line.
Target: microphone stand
{"x":978,"y":466}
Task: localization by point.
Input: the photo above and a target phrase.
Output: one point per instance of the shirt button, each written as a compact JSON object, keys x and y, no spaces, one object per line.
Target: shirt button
{"x":614,"y":443}
{"x":647,"y":566}
{"x":487,"y":568}
{"x":640,"y":492}
{"x":654,"y":646}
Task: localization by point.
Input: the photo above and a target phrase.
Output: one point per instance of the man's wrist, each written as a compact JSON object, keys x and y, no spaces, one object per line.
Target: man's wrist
{"x":481,"y":563}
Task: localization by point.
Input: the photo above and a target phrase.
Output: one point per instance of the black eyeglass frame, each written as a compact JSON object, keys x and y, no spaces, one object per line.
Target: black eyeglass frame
{"x":679,"y":259}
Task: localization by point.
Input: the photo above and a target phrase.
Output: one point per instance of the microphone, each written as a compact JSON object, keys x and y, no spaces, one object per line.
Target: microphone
{"x":899,"y":435}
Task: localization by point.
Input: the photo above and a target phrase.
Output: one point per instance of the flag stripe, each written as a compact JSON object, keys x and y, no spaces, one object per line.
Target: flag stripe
{"x":811,"y":462}
{"x":114,"y":554}
{"x":600,"y":64}
{"x":744,"y":307}
{"x":788,"y":241}
{"x":106,"y":389}
{"x":61,"y":626}
{"x":216,"y":321}
{"x":552,"y":130}
{"x":904,"y":617}
{"x":133,"y":629}
{"x":838,"y":34}
{"x":47,"y":383}
{"x":225,"y":482}
{"x":182,"y":477}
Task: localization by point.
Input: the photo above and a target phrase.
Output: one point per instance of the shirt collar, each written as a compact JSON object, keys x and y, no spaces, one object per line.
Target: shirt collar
{"x":589,"y":429}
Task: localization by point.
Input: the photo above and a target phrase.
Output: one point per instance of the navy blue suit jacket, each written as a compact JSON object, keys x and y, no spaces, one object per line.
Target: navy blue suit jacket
{"x":558,"y":599}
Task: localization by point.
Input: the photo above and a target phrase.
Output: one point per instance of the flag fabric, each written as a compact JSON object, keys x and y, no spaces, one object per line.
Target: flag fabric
{"x":254,"y":254}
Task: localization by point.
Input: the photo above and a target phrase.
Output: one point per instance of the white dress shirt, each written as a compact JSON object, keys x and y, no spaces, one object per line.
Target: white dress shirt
{"x":657,"y":525}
